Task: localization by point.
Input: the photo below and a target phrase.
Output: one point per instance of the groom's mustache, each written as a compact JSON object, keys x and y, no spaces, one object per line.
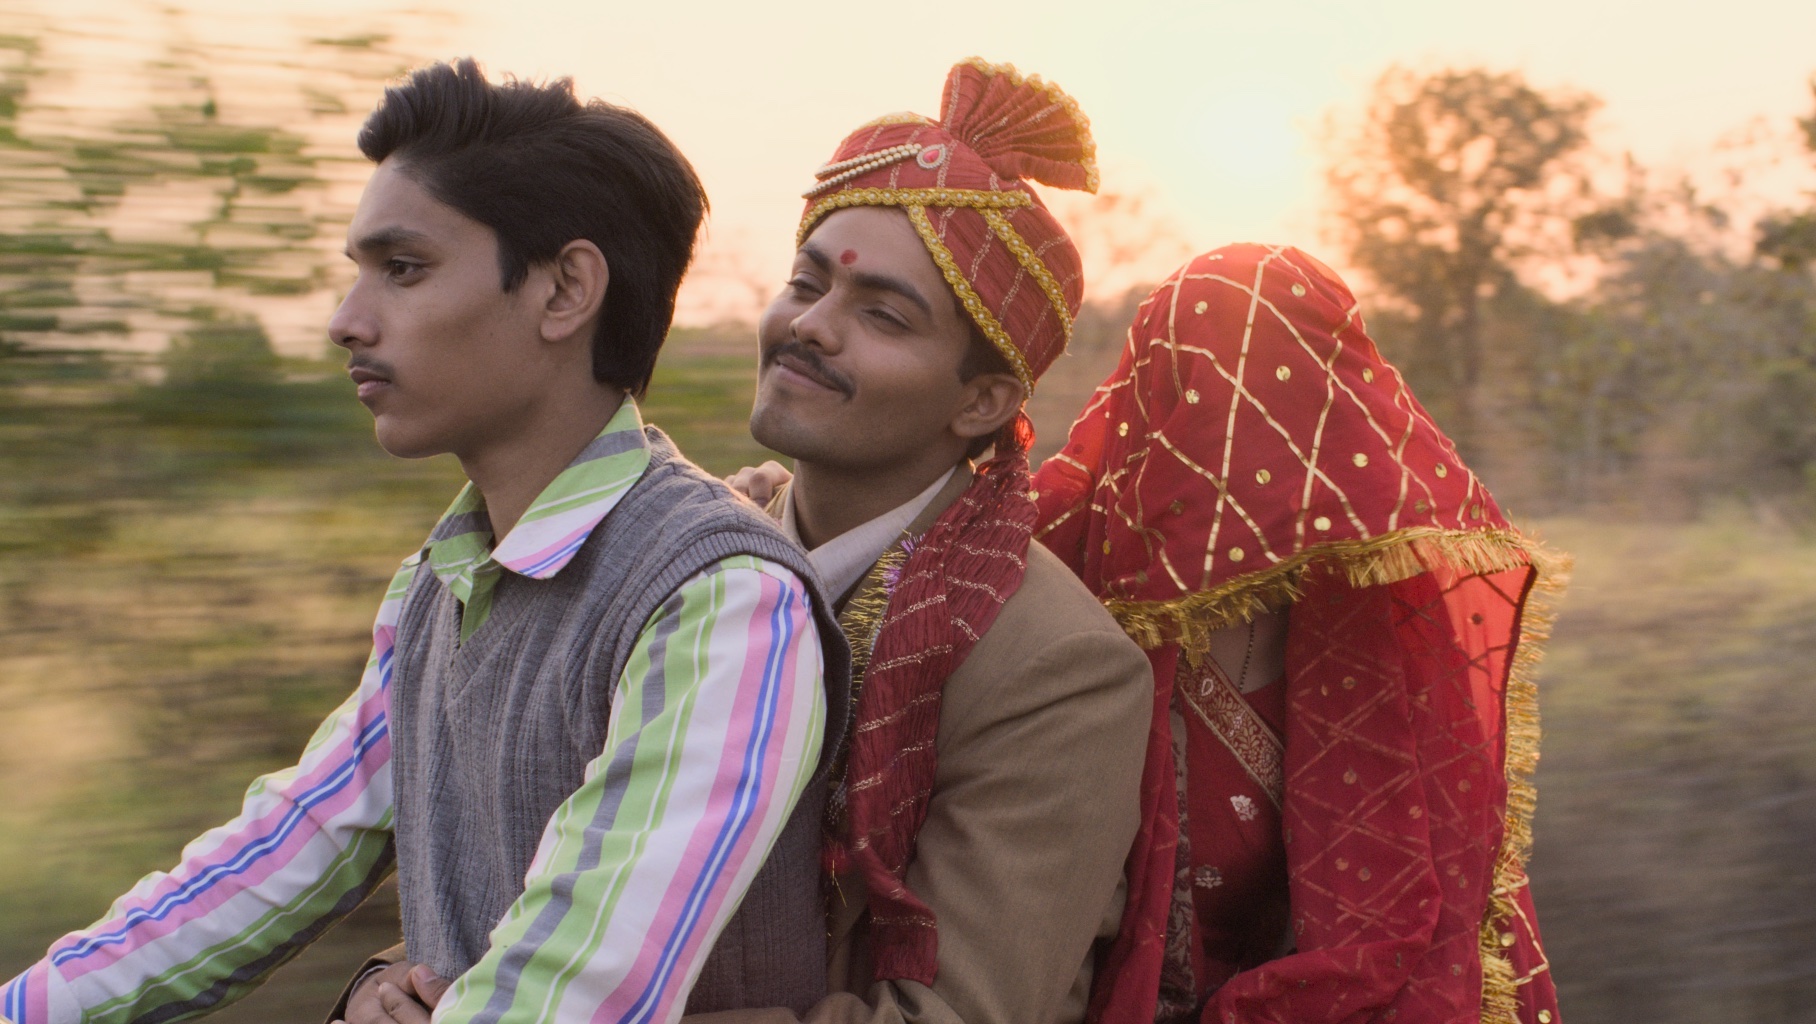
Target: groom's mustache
{"x":804,"y":359}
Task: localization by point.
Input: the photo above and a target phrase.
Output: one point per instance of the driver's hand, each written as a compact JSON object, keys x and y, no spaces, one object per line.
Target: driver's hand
{"x":403,"y":993}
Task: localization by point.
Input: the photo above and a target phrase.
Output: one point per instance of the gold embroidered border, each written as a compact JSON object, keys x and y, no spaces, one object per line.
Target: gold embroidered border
{"x":968,"y":297}
{"x":1024,"y":254}
{"x":1219,"y":704}
{"x":1057,"y":95}
{"x":977,"y":199}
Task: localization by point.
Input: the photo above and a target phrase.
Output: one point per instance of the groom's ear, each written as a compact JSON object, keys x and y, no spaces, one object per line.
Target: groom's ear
{"x":990,"y":400}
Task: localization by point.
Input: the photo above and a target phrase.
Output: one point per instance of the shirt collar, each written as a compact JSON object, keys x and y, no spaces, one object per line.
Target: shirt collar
{"x":843,"y":560}
{"x":461,"y":552}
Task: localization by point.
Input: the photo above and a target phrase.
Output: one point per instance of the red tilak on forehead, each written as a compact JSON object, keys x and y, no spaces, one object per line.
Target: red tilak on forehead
{"x":848,"y":257}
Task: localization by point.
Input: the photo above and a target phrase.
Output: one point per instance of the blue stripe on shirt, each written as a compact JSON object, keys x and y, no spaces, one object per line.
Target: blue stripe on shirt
{"x":248,"y":856}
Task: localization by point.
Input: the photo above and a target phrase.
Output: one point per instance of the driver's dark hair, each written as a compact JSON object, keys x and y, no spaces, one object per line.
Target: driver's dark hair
{"x":542,"y":169}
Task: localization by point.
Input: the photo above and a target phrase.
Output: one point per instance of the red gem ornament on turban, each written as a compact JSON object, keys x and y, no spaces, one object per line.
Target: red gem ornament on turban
{"x":1017,"y":275}
{"x":1253,"y":452}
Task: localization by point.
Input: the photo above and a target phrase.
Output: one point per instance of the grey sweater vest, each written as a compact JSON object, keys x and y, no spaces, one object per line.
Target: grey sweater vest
{"x":489,"y":737}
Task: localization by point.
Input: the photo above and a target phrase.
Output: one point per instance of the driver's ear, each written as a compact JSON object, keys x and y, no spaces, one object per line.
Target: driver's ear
{"x":990,"y":400}
{"x":578,"y":276}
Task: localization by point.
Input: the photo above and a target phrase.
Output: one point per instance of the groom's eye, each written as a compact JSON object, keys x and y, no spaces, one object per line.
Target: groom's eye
{"x":889,"y":318}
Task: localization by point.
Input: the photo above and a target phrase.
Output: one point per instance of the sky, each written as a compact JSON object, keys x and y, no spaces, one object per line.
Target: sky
{"x":1212,"y":112}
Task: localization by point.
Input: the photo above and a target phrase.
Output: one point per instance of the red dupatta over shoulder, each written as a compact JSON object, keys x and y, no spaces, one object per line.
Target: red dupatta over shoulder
{"x":1253,"y":452}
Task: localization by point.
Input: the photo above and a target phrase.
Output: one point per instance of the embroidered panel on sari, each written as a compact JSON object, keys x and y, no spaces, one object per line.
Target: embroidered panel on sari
{"x":1222,"y":708}
{"x":1229,"y":909}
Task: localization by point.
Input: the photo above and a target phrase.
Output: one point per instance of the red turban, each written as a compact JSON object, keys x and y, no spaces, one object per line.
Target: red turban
{"x":960,"y":180}
{"x":1017,"y":275}
{"x":1253,"y":451}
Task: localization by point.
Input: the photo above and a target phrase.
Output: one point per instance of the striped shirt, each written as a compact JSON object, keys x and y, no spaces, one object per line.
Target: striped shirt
{"x":725,"y":749}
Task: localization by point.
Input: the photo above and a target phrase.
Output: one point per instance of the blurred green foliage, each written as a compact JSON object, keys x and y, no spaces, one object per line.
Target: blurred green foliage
{"x":1435,"y":198}
{"x":193,"y":528}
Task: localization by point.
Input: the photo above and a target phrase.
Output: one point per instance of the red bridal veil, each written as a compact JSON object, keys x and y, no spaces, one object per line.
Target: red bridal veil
{"x":1356,"y":852}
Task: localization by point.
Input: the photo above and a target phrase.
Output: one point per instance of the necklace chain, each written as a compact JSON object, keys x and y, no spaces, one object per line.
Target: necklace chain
{"x":1248,"y":653}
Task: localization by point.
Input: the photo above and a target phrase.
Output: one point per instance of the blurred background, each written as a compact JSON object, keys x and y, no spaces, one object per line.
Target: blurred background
{"x":1589,"y":241}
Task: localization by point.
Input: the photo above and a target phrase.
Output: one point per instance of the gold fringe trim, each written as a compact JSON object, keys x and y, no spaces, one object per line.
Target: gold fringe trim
{"x":1058,"y":96}
{"x":902,"y":117}
{"x":863,"y":614}
{"x":1189,"y":621}
{"x":1500,"y":985}
{"x":1403,"y":554}
{"x":860,"y":622}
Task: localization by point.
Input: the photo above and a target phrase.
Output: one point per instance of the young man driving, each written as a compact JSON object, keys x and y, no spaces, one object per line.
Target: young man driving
{"x":598,"y":692}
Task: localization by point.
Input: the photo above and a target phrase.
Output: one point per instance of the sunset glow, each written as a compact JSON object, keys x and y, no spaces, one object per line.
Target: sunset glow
{"x":1212,"y":112}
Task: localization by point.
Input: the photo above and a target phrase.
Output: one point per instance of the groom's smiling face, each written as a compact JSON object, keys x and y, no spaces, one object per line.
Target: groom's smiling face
{"x":861,"y":353}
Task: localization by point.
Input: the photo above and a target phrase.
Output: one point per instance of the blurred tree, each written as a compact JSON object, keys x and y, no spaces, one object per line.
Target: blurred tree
{"x":1686,"y":368}
{"x":1129,"y":242}
{"x":1790,"y":237}
{"x":38,"y":254}
{"x":168,"y":215}
{"x":141,"y":250}
{"x":1451,"y":179}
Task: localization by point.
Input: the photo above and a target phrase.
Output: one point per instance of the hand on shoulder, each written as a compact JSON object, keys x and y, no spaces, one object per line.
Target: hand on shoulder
{"x":760,"y":483}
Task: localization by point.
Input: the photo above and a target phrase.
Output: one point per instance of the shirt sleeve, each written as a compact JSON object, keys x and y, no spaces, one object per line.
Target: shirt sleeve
{"x":309,"y":844}
{"x":715,"y":730}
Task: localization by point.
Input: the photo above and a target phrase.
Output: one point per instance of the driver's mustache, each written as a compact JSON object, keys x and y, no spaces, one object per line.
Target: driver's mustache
{"x":815,"y":363}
